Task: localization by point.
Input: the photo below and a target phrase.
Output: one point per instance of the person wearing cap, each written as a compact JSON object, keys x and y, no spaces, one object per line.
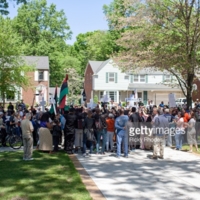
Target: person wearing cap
{"x":110,"y":131}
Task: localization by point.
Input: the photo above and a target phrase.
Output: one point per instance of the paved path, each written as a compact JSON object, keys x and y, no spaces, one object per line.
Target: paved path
{"x":137,"y":177}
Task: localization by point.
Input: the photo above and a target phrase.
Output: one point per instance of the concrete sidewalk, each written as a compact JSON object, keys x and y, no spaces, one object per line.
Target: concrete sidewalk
{"x":138,"y":177}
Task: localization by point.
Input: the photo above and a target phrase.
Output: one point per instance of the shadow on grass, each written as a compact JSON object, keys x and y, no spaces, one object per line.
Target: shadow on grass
{"x":47,"y":177}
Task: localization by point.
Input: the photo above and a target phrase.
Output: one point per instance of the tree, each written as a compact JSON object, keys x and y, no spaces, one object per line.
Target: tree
{"x":44,"y":31}
{"x":96,"y":99}
{"x":97,"y":45}
{"x":4,"y":4}
{"x":163,"y":35}
{"x":12,"y":65}
{"x":75,"y":84}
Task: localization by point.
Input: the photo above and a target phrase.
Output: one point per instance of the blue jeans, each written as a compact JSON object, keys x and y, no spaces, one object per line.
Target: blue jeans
{"x":99,"y":134}
{"x":179,"y":140}
{"x":84,"y":144}
{"x":120,"y":139}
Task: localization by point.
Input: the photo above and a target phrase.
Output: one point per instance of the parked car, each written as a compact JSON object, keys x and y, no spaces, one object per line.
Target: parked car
{"x":182,"y":101}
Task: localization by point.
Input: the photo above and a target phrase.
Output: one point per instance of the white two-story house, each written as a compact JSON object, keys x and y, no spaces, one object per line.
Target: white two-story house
{"x":103,"y":77}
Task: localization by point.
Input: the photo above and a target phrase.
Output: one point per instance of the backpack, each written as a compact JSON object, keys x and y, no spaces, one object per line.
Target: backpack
{"x":98,"y":124}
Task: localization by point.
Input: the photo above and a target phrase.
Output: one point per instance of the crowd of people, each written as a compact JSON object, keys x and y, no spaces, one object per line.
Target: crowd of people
{"x":104,"y":129}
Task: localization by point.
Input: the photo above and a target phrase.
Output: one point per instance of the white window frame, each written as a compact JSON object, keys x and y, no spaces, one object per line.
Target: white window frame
{"x":167,"y":77}
{"x":143,"y":80}
{"x":115,"y":95}
{"x":136,"y":75}
{"x":126,"y":77}
{"x":111,"y":77}
{"x":139,"y":78}
{"x":39,"y":79}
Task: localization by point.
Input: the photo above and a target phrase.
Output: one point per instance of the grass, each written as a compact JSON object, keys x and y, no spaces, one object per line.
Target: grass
{"x":186,"y":147}
{"x":47,"y":177}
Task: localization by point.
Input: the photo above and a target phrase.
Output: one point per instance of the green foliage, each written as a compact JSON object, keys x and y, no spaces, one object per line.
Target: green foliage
{"x":97,"y":45}
{"x":12,"y":66}
{"x":44,"y":31}
{"x":4,"y":4}
{"x":75,"y":83}
{"x":96,"y":99}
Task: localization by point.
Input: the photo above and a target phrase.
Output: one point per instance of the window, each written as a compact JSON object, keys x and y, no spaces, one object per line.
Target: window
{"x":112,"y":95}
{"x":136,"y":78}
{"x":111,"y":77}
{"x":10,"y":95}
{"x":167,"y":78}
{"x":139,"y":78}
{"x":126,"y":77}
{"x":142,"y":78}
{"x":100,"y":95}
{"x":40,"y":76}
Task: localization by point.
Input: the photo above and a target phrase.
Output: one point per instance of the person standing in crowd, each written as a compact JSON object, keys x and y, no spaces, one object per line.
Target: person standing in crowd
{"x":179,"y":130}
{"x":3,"y":129}
{"x":100,"y":126}
{"x":136,"y":120}
{"x":79,"y":128}
{"x":169,"y":118}
{"x":27,"y":129}
{"x":161,"y":104}
{"x":88,"y":130}
{"x":56,"y":132}
{"x":62,"y":122}
{"x":110,"y":131}
{"x":161,"y":123}
{"x":69,"y":131}
{"x":10,"y":107}
{"x":191,"y":134}
{"x":120,"y":124}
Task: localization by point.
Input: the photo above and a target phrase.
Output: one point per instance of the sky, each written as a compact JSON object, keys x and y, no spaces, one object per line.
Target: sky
{"x":82,"y":15}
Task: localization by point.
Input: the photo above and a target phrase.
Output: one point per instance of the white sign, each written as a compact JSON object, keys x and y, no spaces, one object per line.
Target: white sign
{"x":42,"y":104}
{"x":91,"y":104}
{"x":105,"y":98}
{"x":172,"y":101}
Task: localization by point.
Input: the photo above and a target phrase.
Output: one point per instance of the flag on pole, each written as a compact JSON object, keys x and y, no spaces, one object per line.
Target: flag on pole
{"x":63,"y":92}
{"x":56,"y":96}
{"x":84,"y":95}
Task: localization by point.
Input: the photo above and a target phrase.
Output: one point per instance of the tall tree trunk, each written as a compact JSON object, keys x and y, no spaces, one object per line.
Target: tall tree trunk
{"x":190,"y":80}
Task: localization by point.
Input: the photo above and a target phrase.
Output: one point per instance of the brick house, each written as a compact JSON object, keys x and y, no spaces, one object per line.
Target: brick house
{"x":39,"y":82}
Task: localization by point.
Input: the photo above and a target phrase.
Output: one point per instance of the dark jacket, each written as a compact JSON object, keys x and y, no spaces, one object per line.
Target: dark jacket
{"x":89,"y":123}
{"x":57,"y":131}
{"x":70,"y":124}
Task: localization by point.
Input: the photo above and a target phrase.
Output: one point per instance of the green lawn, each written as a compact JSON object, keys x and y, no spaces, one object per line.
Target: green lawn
{"x":48,"y":177}
{"x":186,"y":147}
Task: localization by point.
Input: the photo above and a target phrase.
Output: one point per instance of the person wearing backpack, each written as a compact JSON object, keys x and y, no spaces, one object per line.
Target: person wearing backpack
{"x":100,"y":127}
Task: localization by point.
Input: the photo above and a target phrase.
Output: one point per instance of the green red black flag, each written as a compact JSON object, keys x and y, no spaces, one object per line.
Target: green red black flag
{"x":63,"y":92}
